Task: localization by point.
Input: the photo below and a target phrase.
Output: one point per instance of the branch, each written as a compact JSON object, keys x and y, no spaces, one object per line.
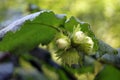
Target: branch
{"x":111,"y":59}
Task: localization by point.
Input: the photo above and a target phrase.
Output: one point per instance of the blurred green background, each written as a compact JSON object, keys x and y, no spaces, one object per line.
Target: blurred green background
{"x":102,"y":15}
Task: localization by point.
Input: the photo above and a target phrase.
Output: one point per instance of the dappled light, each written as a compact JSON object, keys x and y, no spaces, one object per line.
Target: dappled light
{"x":60,"y":39}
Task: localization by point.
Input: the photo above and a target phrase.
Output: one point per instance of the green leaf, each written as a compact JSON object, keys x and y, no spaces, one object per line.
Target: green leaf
{"x":85,"y":27}
{"x":49,"y":18}
{"x":40,"y":30}
{"x":69,"y":25}
{"x":108,"y":73}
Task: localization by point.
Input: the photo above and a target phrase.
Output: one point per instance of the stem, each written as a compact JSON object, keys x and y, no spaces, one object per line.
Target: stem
{"x":110,"y":59}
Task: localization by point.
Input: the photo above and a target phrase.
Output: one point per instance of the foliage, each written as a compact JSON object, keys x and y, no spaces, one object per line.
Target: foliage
{"x":103,"y":15}
{"x":72,"y":40}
